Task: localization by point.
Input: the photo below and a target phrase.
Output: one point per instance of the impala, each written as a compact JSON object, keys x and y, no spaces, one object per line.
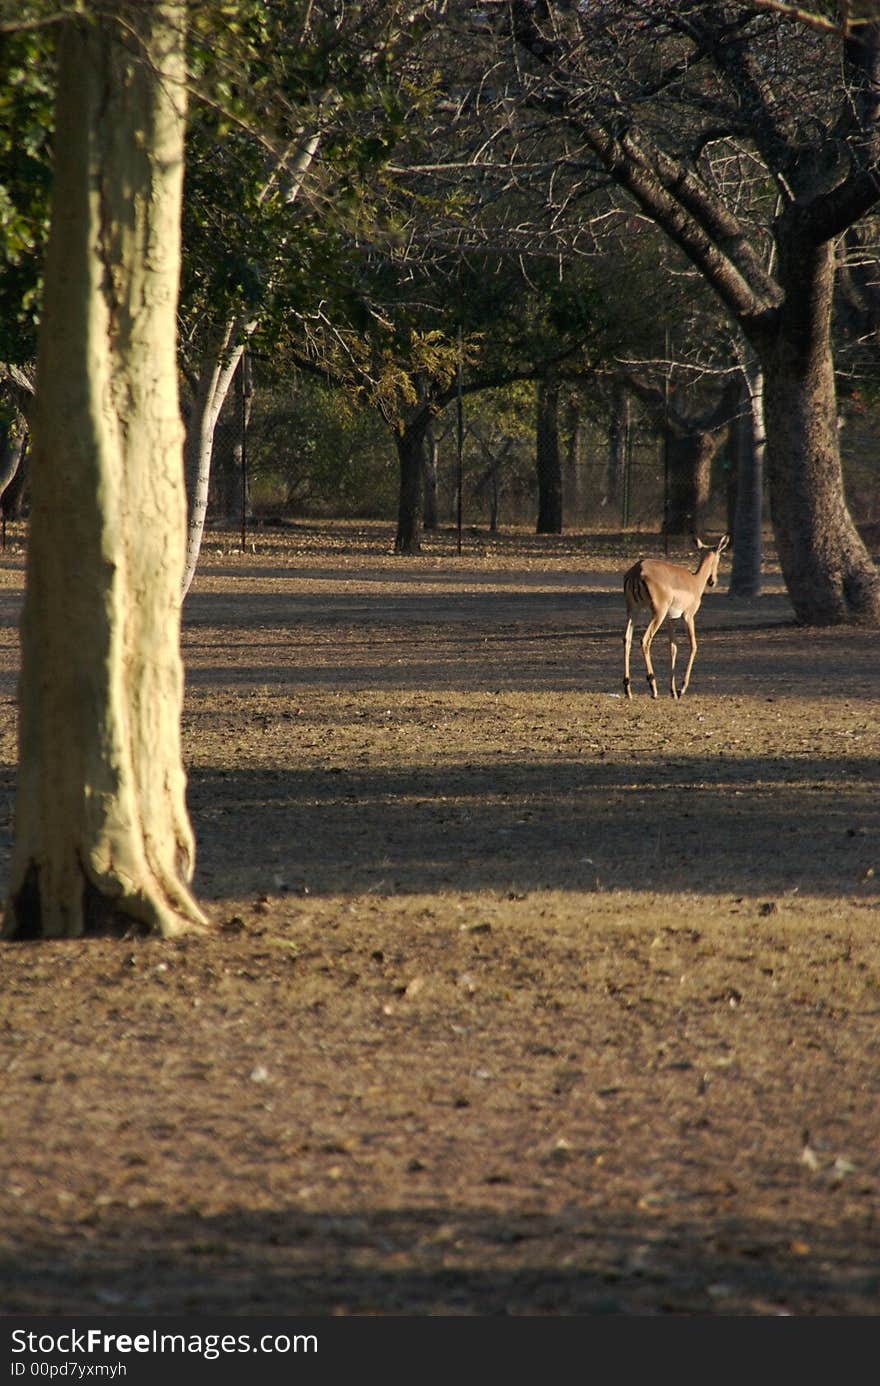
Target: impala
{"x":668,"y":590}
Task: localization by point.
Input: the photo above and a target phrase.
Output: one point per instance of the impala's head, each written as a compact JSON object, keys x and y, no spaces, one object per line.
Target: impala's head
{"x":711,"y":555}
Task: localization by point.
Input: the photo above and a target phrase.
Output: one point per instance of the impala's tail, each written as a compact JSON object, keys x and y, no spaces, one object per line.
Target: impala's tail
{"x":635,"y":589}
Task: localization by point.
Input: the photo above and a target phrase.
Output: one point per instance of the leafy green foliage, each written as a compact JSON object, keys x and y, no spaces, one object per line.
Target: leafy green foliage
{"x":316,"y":452}
{"x":26,"y":86}
{"x":297,"y":105}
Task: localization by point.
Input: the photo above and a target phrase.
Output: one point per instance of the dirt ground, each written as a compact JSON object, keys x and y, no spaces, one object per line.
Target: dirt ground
{"x":518,"y":999}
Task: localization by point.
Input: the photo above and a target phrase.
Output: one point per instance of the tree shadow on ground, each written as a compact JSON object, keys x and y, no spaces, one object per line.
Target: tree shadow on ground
{"x":752,"y":825}
{"x":521,"y":641}
{"x":440,"y":1261}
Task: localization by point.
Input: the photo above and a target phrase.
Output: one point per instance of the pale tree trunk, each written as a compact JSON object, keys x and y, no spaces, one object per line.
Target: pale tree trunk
{"x":745,"y":572}
{"x":18,"y":394}
{"x":102,"y":837}
{"x":214,"y":381}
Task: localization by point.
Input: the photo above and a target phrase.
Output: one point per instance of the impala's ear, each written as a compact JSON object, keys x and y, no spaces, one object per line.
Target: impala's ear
{"x":698,"y":543}
{"x":722,"y":543}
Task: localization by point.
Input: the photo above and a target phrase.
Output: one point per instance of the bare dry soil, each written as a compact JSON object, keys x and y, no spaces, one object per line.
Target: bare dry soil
{"x":517,"y":998}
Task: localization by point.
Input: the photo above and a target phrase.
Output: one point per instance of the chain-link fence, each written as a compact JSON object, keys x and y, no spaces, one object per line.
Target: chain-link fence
{"x":270,"y":464}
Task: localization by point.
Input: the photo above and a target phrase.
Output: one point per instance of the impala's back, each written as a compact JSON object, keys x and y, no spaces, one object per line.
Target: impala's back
{"x":657,"y":584}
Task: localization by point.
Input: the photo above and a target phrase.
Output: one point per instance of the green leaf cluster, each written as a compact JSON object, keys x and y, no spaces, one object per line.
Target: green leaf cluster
{"x":26,"y":122}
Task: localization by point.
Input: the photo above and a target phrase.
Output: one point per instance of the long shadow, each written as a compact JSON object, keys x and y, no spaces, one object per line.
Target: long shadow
{"x":585,"y":662}
{"x":510,"y":639}
{"x":753,"y":826}
{"x":447,"y":1261}
{"x":756,"y":826}
{"x":10,"y":609}
{"x":286,"y":610}
{"x":454,"y":575}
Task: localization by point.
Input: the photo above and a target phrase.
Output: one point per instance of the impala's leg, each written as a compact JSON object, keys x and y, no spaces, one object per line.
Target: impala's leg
{"x":627,"y":646}
{"x":673,"y":651}
{"x":654,"y":625}
{"x":692,"y":637}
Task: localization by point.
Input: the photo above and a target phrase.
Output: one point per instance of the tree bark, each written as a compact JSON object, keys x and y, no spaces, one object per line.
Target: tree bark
{"x":746,"y":524}
{"x":410,"y":441}
{"x":430,"y":517}
{"x":215,"y":379}
{"x":691,"y":442}
{"x":227,"y":491}
{"x":102,"y":836}
{"x":690,"y":459}
{"x":574,"y":458}
{"x":827,"y":570}
{"x":618,"y":446}
{"x":490,"y":481}
{"x":548,"y":462}
{"x":17,"y":401}
{"x":12,"y":449}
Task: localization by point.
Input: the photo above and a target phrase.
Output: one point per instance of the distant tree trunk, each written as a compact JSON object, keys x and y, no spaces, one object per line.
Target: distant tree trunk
{"x":618,"y":445}
{"x":490,"y":480}
{"x":690,"y":457}
{"x":410,"y":441}
{"x":102,"y":837}
{"x":692,"y":441}
{"x":14,"y":496}
{"x":214,"y":381}
{"x":574,"y":459}
{"x":429,"y":480}
{"x":228,"y":480}
{"x":746,"y":525}
{"x":549,"y":466}
{"x":494,"y":501}
{"x":18,"y":395}
{"x":12,"y":449}
{"x":225,"y":489}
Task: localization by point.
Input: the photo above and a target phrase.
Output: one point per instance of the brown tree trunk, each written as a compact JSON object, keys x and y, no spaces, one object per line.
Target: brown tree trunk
{"x":618,"y":446}
{"x":690,"y":459}
{"x":549,"y":465}
{"x":574,"y":458}
{"x":430,"y":518}
{"x":827,"y":569}
{"x":228,"y":489}
{"x":12,"y":449}
{"x":410,"y":443}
